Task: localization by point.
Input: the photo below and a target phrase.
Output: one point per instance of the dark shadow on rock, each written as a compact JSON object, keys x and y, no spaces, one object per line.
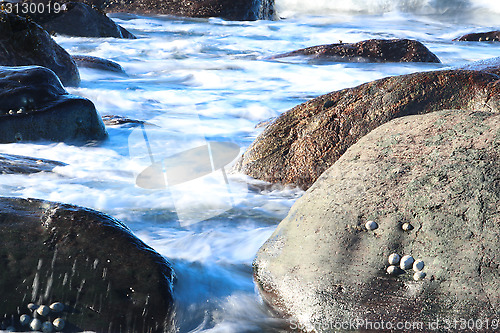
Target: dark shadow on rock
{"x":34,"y":106}
{"x":303,"y":142}
{"x":23,"y":43}
{"x":372,"y":50}
{"x":92,"y":263}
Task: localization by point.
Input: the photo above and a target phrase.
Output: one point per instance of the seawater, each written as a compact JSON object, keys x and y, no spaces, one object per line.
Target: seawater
{"x":210,"y":79}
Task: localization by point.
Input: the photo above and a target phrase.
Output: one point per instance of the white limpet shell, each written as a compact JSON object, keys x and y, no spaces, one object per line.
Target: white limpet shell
{"x":24,"y":320}
{"x":371,"y":225}
{"x":59,"y":324}
{"x":406,"y":262}
{"x":43,"y":310}
{"x":418,"y":265}
{"x":393,"y":270}
{"x":419,"y":276}
{"x":394,"y":259}
{"x":32,"y":306}
{"x":36,"y":324}
{"x":47,"y":327}
{"x":407,"y":226}
{"x":57,"y":307}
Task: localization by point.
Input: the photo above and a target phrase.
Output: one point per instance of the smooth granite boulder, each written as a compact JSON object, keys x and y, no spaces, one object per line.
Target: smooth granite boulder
{"x":490,"y":36}
{"x":107,"y":279}
{"x":303,"y":142}
{"x":73,"y":19}
{"x":372,"y":50}
{"x":35,"y":106}
{"x":24,"y":42}
{"x":432,"y":185}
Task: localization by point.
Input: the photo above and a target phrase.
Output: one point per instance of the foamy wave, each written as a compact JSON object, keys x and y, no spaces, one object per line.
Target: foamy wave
{"x":287,"y":8}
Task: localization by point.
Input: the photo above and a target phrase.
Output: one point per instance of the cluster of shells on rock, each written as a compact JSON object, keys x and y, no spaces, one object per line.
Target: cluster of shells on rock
{"x":40,"y":318}
{"x":399,"y":264}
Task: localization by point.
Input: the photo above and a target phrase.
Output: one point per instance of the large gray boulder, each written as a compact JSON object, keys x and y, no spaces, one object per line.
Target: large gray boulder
{"x":372,"y":50}
{"x":108,"y":280}
{"x":24,"y":43}
{"x":303,"y":142}
{"x":439,"y":172}
{"x":35,"y":106}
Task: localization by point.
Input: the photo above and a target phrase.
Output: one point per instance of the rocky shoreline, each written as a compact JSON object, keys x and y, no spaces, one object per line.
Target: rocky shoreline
{"x":418,"y":149}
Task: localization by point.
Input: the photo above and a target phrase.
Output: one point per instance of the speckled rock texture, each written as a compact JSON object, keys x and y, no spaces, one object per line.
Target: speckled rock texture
{"x":34,"y":106}
{"x":440,"y":172}
{"x":97,"y":63}
{"x":24,"y":42}
{"x":303,"y":142}
{"x":227,"y":9}
{"x":109,"y":280}
{"x":372,"y":50}
{"x":74,"y":19}
{"x":490,"y":36}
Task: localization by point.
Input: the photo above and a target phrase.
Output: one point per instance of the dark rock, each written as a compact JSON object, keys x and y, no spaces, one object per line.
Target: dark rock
{"x":109,"y":280}
{"x":491,"y":36}
{"x":306,"y":140}
{"x":35,"y":106}
{"x":25,"y":43}
{"x":228,"y":9}
{"x":372,"y":50}
{"x":75,"y":19}
{"x":97,"y":63}
{"x":439,"y":171}
{"x":25,"y":165}
{"x":113,"y":120}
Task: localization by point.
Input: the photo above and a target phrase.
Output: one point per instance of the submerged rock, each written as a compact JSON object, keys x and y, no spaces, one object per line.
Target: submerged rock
{"x":23,"y":43}
{"x":108,"y":280}
{"x":25,"y":165}
{"x":372,"y":50}
{"x":75,"y":19}
{"x":305,"y":141}
{"x":228,"y":9}
{"x":320,"y":267}
{"x":97,"y":63}
{"x":35,"y":106}
{"x":491,"y":36}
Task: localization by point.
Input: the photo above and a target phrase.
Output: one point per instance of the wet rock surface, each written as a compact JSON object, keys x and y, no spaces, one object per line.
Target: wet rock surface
{"x":440,"y":172}
{"x":23,"y":43}
{"x":35,"y":106}
{"x":74,"y":19}
{"x":97,"y":63}
{"x":108,"y":280}
{"x":113,"y":120}
{"x":228,"y":9}
{"x":12,"y":164}
{"x":373,"y":50}
{"x":490,"y":36}
{"x":305,"y":141}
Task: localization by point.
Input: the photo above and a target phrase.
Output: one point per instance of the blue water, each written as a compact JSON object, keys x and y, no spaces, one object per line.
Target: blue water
{"x":208,"y":79}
